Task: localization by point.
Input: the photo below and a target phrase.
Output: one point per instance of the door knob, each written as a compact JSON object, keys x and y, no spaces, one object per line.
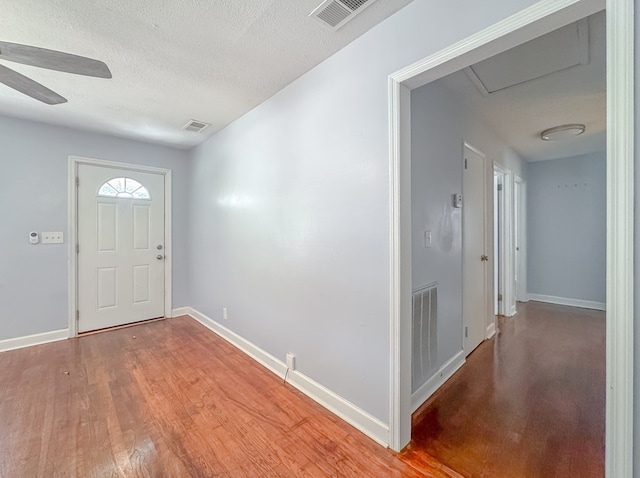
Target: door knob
{"x":484,"y":258}
{"x":159,"y":257}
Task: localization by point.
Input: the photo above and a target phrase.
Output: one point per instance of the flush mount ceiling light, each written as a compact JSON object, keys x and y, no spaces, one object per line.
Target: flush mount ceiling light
{"x":565,"y":131}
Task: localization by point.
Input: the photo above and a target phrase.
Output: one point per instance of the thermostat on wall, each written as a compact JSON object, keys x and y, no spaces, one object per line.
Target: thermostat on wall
{"x":34,"y":237}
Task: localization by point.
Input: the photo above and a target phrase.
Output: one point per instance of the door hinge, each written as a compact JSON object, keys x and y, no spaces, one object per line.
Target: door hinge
{"x":77,"y":316}
{"x":466,"y":332}
{"x":77,"y":248}
{"x":499,"y":187}
{"x":499,"y":297}
{"x":77,"y":181}
{"x":465,"y":163}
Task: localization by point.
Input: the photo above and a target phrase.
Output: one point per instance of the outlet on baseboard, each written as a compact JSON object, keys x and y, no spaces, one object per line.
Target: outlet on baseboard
{"x":224,"y":313}
{"x":291,"y":361}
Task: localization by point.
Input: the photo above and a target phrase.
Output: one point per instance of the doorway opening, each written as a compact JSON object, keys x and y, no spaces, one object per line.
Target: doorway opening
{"x":504,"y":302}
{"x":542,"y":18}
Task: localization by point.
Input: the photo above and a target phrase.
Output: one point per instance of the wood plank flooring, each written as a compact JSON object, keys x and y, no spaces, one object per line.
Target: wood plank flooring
{"x":171,"y":399}
{"x":528,"y":403}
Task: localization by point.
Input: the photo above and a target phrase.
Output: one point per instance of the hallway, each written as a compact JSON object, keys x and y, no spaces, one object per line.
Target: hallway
{"x":530,"y":402}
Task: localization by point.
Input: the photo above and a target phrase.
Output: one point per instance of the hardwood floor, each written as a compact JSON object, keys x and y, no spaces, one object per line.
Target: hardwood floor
{"x":528,"y":403}
{"x":171,"y":399}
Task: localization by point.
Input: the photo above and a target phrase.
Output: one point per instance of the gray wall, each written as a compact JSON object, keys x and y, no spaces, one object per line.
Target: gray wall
{"x":566,"y":227}
{"x":33,"y":197}
{"x":289,"y":216}
{"x":439,"y":126}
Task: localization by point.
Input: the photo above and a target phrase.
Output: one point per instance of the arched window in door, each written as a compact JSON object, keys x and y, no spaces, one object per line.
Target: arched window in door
{"x":124,"y":188}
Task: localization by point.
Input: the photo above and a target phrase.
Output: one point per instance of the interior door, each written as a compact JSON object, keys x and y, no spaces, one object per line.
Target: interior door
{"x":120,"y":246}
{"x":474,"y":287}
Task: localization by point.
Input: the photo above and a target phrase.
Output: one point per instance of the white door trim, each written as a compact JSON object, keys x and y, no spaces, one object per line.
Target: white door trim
{"x":520,"y":292}
{"x":509,"y":297}
{"x":503,"y":241}
{"x":74,"y":162}
{"x":620,"y":238}
{"x":541,"y":18}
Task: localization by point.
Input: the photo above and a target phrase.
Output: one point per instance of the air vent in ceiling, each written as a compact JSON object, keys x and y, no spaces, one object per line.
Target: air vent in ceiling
{"x":333,"y":14}
{"x":195,"y":126}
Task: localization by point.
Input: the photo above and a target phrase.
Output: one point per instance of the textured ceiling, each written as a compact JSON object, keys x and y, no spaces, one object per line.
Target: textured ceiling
{"x":172,"y":60}
{"x":520,"y":113}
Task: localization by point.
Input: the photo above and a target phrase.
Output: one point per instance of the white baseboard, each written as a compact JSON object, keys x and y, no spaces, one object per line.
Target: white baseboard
{"x":585,"y":304}
{"x":180,"y":311}
{"x":363,"y":421}
{"x":491,"y":330}
{"x":437,"y":380}
{"x":35,"y":339}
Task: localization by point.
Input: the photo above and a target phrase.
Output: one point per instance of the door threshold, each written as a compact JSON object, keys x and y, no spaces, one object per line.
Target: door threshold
{"x":117,"y":327}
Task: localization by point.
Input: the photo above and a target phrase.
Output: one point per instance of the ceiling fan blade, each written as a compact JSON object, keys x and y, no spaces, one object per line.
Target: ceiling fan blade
{"x":31,"y":88}
{"x":53,"y":60}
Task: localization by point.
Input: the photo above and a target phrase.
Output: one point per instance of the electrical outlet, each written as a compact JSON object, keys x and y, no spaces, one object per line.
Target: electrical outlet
{"x":224,"y":313}
{"x":52,"y":238}
{"x":291,"y":361}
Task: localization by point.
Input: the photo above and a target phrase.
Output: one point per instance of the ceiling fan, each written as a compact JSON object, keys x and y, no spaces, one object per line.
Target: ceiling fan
{"x":49,"y":59}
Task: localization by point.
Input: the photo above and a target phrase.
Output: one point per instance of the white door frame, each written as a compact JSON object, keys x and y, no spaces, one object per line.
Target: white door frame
{"x":509,"y":298}
{"x":497,"y":208}
{"x":502,"y":241}
{"x":520,"y":203}
{"x":74,"y":163}
{"x":542,"y":17}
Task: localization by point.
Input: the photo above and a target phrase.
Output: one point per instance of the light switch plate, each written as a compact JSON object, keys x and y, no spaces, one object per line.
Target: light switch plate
{"x":52,"y":238}
{"x":427,"y":238}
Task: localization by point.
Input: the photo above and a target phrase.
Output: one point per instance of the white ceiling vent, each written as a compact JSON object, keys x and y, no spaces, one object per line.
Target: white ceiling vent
{"x":195,"y":126}
{"x":335,"y":13}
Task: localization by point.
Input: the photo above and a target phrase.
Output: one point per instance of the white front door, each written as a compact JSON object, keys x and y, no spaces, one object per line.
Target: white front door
{"x":120,"y":246}
{"x":474,"y":258}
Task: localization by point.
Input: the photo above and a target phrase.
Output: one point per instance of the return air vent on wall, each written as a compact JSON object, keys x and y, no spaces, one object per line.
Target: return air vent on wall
{"x":424,"y":335}
{"x":195,"y":126}
{"x":334,"y":14}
